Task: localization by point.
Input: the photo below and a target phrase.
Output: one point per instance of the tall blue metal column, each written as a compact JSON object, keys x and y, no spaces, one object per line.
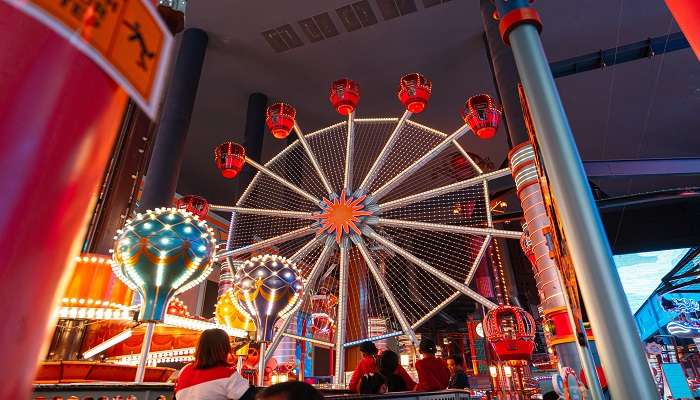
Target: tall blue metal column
{"x":169,"y":147}
{"x":619,"y":345}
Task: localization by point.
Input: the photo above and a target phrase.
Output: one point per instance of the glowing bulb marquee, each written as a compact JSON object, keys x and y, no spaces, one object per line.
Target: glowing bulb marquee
{"x":161,"y":253}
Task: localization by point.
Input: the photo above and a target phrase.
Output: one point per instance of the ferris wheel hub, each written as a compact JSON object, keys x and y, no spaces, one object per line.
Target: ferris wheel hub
{"x":344,"y":215}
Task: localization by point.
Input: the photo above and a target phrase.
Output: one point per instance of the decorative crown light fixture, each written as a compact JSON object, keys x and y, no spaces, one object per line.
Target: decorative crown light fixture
{"x":344,"y":95}
{"x":229,"y":158}
{"x":280,"y":118}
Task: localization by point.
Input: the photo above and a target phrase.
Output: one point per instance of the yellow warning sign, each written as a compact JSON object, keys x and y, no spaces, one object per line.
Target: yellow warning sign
{"x":126,"y":38}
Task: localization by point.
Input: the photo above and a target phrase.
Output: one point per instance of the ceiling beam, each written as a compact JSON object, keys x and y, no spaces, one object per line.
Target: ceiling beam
{"x":657,"y":166}
{"x":618,"y":55}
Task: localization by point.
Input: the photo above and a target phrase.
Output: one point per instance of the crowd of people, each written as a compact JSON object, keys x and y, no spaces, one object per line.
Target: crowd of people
{"x":381,"y":373}
{"x":213,"y":377}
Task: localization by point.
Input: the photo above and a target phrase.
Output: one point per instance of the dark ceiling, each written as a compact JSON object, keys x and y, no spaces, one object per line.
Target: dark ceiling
{"x":642,"y":109}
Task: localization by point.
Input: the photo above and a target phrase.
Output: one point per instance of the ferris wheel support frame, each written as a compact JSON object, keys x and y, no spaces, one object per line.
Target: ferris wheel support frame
{"x":339,"y":378}
{"x":283,"y":181}
{"x":297,"y":233}
{"x":263,"y":211}
{"x":405,"y":326}
{"x":311,"y":282}
{"x":344,"y":246}
{"x":312,"y":157}
{"x":455,"y":295}
{"x":453,"y":187}
{"x":416,"y":165}
{"x":428,"y":226}
{"x":384,"y":153}
{"x":430,"y":269}
{"x":350,"y":145}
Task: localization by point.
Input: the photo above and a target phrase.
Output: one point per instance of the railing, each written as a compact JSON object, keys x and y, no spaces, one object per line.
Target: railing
{"x":439,"y":395}
{"x":100,"y":391}
{"x":164,"y":391}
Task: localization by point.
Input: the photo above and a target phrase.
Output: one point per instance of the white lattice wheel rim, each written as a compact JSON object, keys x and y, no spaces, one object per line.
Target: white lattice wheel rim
{"x":281,"y":193}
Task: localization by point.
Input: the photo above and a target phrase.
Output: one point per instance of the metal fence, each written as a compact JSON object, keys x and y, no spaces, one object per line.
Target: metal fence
{"x":164,"y":391}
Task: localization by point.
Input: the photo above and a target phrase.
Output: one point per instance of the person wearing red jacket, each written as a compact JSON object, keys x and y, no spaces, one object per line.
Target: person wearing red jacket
{"x":366,"y":365}
{"x":432,"y":372}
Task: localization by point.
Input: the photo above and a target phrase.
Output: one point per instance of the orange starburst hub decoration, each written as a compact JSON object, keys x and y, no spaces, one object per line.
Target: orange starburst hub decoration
{"x":341,"y":215}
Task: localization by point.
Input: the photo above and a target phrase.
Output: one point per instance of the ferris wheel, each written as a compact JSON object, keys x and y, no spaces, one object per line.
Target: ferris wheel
{"x":387,"y":217}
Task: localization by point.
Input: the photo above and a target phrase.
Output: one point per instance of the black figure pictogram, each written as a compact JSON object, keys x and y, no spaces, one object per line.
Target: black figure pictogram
{"x":137,"y":36}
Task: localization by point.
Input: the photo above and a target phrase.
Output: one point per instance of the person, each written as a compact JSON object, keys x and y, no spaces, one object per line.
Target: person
{"x":211,"y":376}
{"x":366,"y":365}
{"x":373,"y":383}
{"x":458,"y":379}
{"x":397,"y":379}
{"x":432,"y":372}
{"x":291,"y":390}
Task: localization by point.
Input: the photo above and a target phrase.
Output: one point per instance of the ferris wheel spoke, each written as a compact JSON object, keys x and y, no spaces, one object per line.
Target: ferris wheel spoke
{"x":477,"y":260}
{"x":454,"y":142}
{"x":263,"y":211}
{"x":464,"y":289}
{"x":384,"y":154}
{"x":453,"y":187}
{"x":283,"y":181}
{"x":304,"y":250}
{"x":406,"y":173}
{"x":297,"y":233}
{"x":322,"y":343}
{"x":314,"y":160}
{"x":469,"y":230}
{"x":456,"y":294}
{"x":310,"y":284}
{"x":405,"y":326}
{"x":341,"y":315}
{"x":349,"y":153}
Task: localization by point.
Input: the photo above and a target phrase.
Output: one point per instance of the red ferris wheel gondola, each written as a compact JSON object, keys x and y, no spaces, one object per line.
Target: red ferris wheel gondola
{"x":414,"y":92}
{"x":195,"y":204}
{"x":511,"y":332}
{"x":344,"y":95}
{"x":483,"y":115}
{"x":280,"y":118}
{"x":230,"y":158}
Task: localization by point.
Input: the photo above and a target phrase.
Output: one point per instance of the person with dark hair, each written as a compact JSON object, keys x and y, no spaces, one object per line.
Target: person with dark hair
{"x":366,"y":365}
{"x":291,"y":390}
{"x":373,"y":383}
{"x":432,"y":372}
{"x":458,"y":379}
{"x":211,"y":376}
{"x":397,"y":379}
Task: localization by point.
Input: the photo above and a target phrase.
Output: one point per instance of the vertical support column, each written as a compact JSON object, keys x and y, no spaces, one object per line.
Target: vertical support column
{"x":59,"y":115}
{"x":262,"y":363}
{"x":341,"y":318}
{"x":145,"y":349}
{"x":169,"y":148}
{"x":505,"y":75}
{"x":253,"y":137}
{"x":616,"y":334}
